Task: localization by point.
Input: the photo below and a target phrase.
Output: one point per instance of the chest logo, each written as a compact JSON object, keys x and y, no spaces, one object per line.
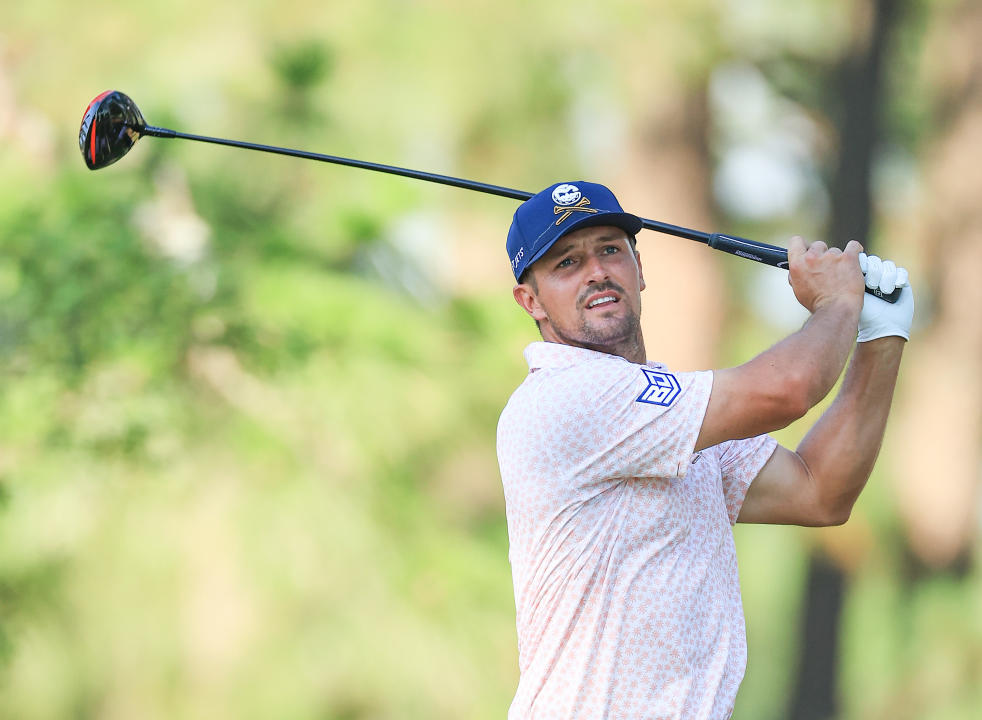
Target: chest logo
{"x":662,"y":388}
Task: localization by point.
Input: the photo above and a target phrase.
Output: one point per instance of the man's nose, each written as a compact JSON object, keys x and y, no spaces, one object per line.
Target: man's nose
{"x":596,"y":270}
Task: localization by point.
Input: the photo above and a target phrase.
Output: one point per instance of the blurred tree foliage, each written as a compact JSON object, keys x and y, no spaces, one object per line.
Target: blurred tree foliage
{"x":248,"y":404}
{"x":300,"y":68}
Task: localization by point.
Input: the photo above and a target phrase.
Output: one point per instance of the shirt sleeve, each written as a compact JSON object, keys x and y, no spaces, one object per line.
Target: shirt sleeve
{"x":623,"y":420}
{"x":740,"y":461}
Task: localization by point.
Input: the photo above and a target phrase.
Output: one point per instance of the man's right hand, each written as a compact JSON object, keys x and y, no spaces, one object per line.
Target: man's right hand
{"x":820,"y":275}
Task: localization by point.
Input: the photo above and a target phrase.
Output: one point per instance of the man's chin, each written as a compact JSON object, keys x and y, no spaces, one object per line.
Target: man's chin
{"x":599,"y":334}
{"x":611,"y":327}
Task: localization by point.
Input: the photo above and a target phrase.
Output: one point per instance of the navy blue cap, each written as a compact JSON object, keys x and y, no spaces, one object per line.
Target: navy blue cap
{"x":560,"y":209}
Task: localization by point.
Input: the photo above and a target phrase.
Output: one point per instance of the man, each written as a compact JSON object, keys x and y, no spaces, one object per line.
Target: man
{"x":622,"y":479}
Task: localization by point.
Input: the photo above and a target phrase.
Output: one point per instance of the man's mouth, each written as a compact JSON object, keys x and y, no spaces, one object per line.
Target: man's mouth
{"x":607,"y":298}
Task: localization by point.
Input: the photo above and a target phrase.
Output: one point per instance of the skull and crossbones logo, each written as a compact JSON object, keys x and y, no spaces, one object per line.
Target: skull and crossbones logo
{"x":566,"y":194}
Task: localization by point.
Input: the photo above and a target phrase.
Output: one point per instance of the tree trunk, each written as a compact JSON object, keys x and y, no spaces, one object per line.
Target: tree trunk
{"x":860,"y":85}
{"x":816,"y":694}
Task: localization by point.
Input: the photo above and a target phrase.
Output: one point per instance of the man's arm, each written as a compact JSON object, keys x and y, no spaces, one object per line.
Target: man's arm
{"x":780,"y":385}
{"x":818,"y":484}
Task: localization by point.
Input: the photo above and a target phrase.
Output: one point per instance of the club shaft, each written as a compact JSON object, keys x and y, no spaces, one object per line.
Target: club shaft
{"x":750,"y":249}
{"x":364,"y":165}
{"x":741,"y":247}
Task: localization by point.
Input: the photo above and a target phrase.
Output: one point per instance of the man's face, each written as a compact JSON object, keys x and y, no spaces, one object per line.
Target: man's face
{"x":586,"y":291}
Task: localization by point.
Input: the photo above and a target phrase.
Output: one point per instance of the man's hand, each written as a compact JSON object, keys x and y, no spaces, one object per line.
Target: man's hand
{"x":878,"y":317}
{"x":819,"y":275}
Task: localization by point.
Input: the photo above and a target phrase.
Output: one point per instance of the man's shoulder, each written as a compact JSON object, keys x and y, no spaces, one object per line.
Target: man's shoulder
{"x":576,"y":382}
{"x":587,"y":368}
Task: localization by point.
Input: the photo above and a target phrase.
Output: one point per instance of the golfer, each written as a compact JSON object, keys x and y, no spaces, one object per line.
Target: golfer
{"x":622,"y":479}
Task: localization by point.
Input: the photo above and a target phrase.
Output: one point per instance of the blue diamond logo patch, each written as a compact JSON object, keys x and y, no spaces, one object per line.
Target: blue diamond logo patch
{"x":662,"y":388}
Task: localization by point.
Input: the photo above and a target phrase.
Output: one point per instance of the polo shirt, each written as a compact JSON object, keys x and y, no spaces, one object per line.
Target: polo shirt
{"x":627,"y":595}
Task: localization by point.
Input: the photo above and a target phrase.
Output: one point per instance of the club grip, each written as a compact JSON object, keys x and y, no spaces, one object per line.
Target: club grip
{"x":750,"y":249}
{"x":773,"y":255}
{"x":889,"y":297}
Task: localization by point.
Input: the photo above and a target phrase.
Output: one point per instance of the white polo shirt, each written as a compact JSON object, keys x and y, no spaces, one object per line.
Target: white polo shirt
{"x":626,"y":588}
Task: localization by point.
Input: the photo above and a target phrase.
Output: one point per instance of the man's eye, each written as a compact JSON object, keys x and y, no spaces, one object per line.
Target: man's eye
{"x":565,"y":262}
{"x":611,"y":249}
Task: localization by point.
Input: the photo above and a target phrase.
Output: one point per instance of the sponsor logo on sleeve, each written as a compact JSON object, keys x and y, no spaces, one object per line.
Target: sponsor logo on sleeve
{"x":662,"y":388}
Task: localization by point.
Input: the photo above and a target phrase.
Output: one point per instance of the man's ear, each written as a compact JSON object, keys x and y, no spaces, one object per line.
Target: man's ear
{"x":526,"y":297}
{"x":637,"y":256}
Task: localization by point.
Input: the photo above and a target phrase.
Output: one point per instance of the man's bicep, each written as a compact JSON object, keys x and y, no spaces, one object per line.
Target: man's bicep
{"x":747,"y":401}
{"x":783,"y":493}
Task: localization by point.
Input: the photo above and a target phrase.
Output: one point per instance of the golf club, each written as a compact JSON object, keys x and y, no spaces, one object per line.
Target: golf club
{"x":112,"y":124}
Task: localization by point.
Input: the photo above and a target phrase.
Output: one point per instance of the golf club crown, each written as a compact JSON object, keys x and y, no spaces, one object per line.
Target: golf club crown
{"x":112,"y":123}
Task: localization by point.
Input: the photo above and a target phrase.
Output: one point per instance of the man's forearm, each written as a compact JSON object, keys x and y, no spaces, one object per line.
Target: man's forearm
{"x":781,"y":384}
{"x":806,"y":364}
{"x":842,"y":446}
{"x":825,"y":342}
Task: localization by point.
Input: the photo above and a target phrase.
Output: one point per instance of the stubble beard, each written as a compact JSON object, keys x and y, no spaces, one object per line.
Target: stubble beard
{"x":620,"y":338}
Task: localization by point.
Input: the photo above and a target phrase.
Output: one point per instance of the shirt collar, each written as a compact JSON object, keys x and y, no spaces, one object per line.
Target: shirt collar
{"x":541,"y":355}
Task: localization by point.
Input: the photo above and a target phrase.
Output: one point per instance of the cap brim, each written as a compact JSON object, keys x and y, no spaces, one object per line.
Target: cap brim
{"x":627,"y":222}
{"x":631,"y":224}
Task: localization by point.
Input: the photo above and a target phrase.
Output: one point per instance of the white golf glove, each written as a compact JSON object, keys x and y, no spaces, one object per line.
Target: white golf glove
{"x":880,"y":318}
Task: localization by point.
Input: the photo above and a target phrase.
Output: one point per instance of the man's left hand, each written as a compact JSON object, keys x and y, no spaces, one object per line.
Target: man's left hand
{"x":878,"y":317}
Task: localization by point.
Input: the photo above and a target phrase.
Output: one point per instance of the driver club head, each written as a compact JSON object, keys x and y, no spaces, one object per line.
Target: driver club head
{"x":111,"y":125}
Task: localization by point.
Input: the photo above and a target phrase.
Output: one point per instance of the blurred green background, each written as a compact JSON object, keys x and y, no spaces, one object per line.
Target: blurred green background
{"x":248,"y":403}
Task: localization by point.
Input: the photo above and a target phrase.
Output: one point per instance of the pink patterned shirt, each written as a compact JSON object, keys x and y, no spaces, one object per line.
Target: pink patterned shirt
{"x":626,"y":588}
